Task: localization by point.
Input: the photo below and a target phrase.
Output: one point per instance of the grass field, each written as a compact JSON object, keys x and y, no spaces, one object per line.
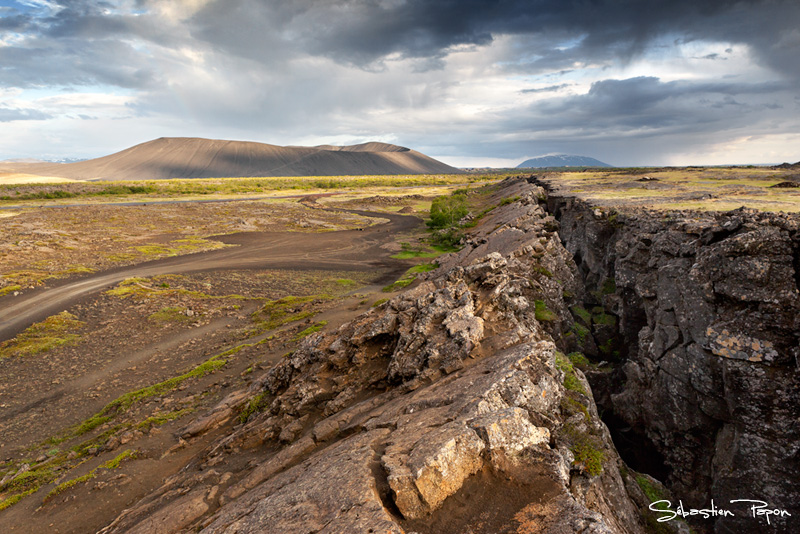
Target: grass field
{"x":697,"y":188}
{"x":217,"y":188}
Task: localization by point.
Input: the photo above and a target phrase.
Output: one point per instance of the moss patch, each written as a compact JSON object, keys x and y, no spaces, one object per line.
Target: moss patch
{"x":582,"y":314}
{"x":276,"y":313}
{"x":609,"y":287}
{"x":588,"y":455}
{"x":408,"y":252}
{"x":310,"y":330}
{"x":580,"y":332}
{"x":257,"y":404}
{"x":41,"y":337}
{"x":9,"y":289}
{"x":170,"y":315}
{"x":111,"y":464}
{"x":410,"y":275}
{"x":571,"y":381}
{"x":141,"y":288}
{"x":603,"y":318}
{"x":542,"y":313}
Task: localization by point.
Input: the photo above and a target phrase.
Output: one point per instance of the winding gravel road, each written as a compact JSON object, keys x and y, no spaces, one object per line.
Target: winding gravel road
{"x":342,"y":250}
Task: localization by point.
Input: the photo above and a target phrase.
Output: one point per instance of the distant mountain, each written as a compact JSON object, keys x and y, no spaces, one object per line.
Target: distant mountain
{"x":788,"y":166}
{"x":561,"y":160}
{"x":181,"y":157}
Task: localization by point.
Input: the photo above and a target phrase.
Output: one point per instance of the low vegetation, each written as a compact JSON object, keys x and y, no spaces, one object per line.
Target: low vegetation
{"x":53,"y":332}
{"x":143,"y":288}
{"x":586,"y":449}
{"x":256,"y":405}
{"x":410,"y":275}
{"x":170,"y":314}
{"x":571,"y":380}
{"x":35,"y":277}
{"x":310,"y":330}
{"x":542,"y":313}
{"x":9,"y":289}
{"x":154,"y":189}
{"x":109,"y":465}
{"x":276,"y":313}
{"x":703,"y":189}
{"x":408,"y":252}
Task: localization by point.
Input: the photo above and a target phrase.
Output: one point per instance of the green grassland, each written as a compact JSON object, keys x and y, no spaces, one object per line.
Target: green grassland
{"x":208,"y":188}
{"x":697,"y":188}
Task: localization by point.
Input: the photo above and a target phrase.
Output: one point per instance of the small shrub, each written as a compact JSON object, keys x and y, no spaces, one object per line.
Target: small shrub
{"x":447,"y":240}
{"x":446,"y":211}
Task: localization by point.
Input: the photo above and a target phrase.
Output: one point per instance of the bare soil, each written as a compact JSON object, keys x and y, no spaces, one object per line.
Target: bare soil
{"x":182,"y":312}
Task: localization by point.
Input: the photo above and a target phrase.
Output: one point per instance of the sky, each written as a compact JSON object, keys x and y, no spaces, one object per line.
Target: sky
{"x":473,"y":83}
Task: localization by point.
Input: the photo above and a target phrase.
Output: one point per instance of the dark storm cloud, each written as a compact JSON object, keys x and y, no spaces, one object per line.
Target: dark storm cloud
{"x":11,"y":21}
{"x":75,"y":63}
{"x":78,"y":43}
{"x":365,"y":32}
{"x":637,"y":120}
{"x":647,"y":106}
{"x":60,"y":44}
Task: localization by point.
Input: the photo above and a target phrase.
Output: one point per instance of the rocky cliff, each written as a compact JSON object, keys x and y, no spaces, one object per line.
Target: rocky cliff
{"x":446,"y":409}
{"x":463,"y":405}
{"x":706,"y":312}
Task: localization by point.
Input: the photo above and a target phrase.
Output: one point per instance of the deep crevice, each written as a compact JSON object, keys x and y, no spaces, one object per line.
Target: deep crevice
{"x":635,"y":448}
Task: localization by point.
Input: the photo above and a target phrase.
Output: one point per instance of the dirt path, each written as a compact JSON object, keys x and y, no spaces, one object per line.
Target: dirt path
{"x":349,"y":249}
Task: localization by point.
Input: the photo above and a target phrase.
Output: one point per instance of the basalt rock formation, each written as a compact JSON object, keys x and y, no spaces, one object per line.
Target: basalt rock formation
{"x":452,"y":407}
{"x":706,"y":310}
{"x":446,"y":409}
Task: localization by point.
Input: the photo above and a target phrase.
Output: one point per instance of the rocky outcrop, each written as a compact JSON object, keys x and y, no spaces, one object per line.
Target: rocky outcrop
{"x":706,"y":311}
{"x":446,"y":408}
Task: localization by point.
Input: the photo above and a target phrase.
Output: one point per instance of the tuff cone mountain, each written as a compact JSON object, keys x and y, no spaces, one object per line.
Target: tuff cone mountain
{"x":182,"y":157}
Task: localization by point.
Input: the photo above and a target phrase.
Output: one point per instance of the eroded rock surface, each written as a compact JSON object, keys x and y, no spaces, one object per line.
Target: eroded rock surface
{"x":707,"y":310}
{"x":441,"y":395}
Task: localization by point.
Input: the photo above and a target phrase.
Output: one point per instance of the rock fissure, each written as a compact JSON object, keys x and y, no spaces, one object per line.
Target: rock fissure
{"x":468,"y":390}
{"x":708,"y":336}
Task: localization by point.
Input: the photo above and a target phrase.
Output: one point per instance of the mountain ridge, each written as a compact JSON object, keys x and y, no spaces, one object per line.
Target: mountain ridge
{"x":561,"y":160}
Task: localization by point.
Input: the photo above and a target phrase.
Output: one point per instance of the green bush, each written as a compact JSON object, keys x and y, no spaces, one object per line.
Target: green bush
{"x":446,"y":240}
{"x":446,"y":211}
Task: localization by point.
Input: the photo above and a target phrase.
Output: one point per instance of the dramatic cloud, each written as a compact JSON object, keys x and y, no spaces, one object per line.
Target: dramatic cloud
{"x":625,"y":81}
